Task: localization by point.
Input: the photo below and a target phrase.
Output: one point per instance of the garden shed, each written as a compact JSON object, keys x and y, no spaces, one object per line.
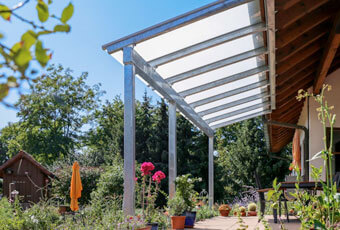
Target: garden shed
{"x":26,"y":176}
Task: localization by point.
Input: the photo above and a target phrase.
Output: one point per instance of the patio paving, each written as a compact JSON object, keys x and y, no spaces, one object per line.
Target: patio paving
{"x":231,"y":223}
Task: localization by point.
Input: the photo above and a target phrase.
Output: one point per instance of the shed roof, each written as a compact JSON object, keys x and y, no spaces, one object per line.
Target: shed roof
{"x":24,"y":155}
{"x":216,"y":62}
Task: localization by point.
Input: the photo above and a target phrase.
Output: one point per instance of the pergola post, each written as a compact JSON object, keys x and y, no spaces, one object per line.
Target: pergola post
{"x":211,"y":171}
{"x":129,"y":139}
{"x":172,"y":148}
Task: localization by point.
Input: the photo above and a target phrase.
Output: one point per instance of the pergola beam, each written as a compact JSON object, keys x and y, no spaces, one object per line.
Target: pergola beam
{"x":238,"y":112}
{"x":149,"y":74}
{"x":172,"y":24}
{"x":328,"y":55}
{"x":224,"y":81}
{"x":262,"y":82}
{"x":263,"y":96}
{"x":223,"y":124}
{"x":216,"y":65}
{"x":270,"y":20}
{"x":172,"y":149}
{"x":257,"y":28}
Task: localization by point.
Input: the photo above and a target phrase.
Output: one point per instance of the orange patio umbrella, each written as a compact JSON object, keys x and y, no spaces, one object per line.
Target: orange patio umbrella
{"x":296,"y":150}
{"x":76,"y":187}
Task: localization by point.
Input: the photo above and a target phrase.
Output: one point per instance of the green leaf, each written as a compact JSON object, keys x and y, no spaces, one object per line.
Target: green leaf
{"x":16,"y":47}
{"x":270,"y":194}
{"x":40,"y":54}
{"x":28,"y":38}
{"x":4,"y":89}
{"x":5,"y":15}
{"x":42,"y":10}
{"x":44,"y":32}
{"x":67,"y":13}
{"x":23,"y":57}
{"x":62,"y":28}
{"x":1,"y":35}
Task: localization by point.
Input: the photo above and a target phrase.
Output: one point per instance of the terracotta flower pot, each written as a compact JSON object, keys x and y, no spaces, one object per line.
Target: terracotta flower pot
{"x":63,"y":209}
{"x":252,"y":213}
{"x":243,"y":213}
{"x":146,"y":228}
{"x":224,"y":212}
{"x":177,"y":222}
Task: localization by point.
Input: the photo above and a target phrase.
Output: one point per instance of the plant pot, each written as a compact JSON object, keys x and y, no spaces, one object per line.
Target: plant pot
{"x":154,"y":226}
{"x":145,"y":228}
{"x":225,"y":212}
{"x":235,"y":214}
{"x":63,"y":209}
{"x":252,"y":213}
{"x":177,"y":222}
{"x":190,"y":218}
{"x":243,"y":213}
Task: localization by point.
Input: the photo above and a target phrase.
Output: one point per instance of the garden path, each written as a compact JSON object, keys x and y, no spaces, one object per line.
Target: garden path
{"x":231,"y":223}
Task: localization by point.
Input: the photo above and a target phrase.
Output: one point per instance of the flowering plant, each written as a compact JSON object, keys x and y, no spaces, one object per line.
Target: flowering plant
{"x":185,"y":189}
{"x":224,"y":207}
{"x":149,"y":192}
{"x":131,"y":222}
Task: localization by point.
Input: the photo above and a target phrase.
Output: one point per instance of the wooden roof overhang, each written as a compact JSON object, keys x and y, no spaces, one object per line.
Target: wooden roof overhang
{"x":307,"y":38}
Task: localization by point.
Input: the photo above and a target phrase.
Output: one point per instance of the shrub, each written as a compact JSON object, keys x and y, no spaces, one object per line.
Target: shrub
{"x":89,"y":178}
{"x":176,"y":206}
{"x":110,"y":182}
{"x":185,"y":189}
{"x":205,"y":212}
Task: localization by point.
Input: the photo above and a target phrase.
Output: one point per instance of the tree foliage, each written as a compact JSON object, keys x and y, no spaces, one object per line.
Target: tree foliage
{"x":16,"y":59}
{"x":52,"y":116}
{"x":242,"y":151}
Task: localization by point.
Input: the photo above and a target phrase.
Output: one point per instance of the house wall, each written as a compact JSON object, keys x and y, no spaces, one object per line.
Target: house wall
{"x":315,"y":127}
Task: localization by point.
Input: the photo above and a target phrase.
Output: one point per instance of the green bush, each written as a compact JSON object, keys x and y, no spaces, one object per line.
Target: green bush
{"x":205,"y":212}
{"x":110,"y":182}
{"x":89,"y":178}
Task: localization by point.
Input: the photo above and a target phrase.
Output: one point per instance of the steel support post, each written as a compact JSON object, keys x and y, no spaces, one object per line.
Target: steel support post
{"x":172,"y":149}
{"x":211,"y":171}
{"x":129,"y":140}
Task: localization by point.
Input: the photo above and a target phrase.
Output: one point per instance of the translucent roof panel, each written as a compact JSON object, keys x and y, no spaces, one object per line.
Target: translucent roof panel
{"x":212,"y":66}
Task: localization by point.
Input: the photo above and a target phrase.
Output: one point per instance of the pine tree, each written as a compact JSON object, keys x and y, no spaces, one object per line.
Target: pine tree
{"x":144,"y":122}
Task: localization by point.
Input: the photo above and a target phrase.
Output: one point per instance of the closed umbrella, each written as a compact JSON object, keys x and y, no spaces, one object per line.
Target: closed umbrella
{"x":76,"y":187}
{"x":296,"y":151}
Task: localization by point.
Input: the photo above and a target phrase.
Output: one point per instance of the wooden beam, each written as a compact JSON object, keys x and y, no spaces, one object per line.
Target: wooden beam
{"x":285,"y":18}
{"x":285,"y":88}
{"x":288,"y":114}
{"x":301,"y":26}
{"x":294,"y":91}
{"x":304,"y":66}
{"x":328,"y":55}
{"x":293,"y":61}
{"x":286,"y":107}
{"x":301,"y":42}
{"x":284,"y":4}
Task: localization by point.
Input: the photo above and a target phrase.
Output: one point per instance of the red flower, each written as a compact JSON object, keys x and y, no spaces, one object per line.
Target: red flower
{"x":146,"y":168}
{"x":158,"y":176}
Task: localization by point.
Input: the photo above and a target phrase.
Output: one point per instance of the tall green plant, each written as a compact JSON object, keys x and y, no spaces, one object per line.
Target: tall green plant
{"x":323,"y":210}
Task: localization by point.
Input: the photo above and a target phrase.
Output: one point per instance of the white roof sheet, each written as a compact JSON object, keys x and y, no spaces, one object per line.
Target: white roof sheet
{"x":216,"y":64}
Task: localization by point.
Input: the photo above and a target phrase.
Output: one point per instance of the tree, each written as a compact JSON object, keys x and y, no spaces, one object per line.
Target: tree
{"x":15,"y":60}
{"x":52,"y":116}
{"x":242,"y":150}
{"x":144,"y":129}
{"x":105,"y":139}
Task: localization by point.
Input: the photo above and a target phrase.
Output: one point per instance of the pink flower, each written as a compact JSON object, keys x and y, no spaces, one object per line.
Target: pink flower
{"x":146,"y":168}
{"x":158,"y":176}
{"x":136,"y":179}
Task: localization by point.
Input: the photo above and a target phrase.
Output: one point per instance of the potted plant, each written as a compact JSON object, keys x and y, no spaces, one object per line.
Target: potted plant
{"x":242,"y":211}
{"x":224,"y":210}
{"x":252,"y":209}
{"x":176,"y":208}
{"x":185,"y":189}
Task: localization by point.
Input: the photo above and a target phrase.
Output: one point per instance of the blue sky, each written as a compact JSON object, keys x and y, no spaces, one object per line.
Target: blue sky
{"x":95,"y":23}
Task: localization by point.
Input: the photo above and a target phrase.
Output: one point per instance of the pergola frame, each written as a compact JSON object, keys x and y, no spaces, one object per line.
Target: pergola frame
{"x":135,"y":64}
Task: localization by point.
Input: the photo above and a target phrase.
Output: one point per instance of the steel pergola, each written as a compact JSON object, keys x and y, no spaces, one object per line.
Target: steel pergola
{"x":213,"y":70}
